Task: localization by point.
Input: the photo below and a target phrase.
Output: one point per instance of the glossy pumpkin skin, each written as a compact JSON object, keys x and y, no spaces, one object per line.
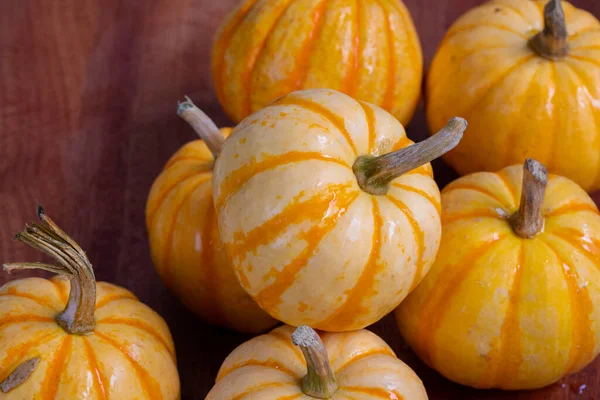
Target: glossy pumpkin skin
{"x":368,"y":49}
{"x":271,"y":367}
{"x":500,"y":311}
{"x":306,"y":242}
{"x":185,"y":244}
{"x":130,"y":355}
{"x":519,"y":104}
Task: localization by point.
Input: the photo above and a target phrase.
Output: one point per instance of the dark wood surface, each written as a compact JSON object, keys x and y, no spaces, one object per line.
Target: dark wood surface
{"x":88,"y":90}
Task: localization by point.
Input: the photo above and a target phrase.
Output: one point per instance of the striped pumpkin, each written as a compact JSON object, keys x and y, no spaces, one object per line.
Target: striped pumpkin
{"x":271,"y":367}
{"x":307,"y":242}
{"x":368,"y":49}
{"x":519,"y":102}
{"x":497,"y":310}
{"x":185,"y":244}
{"x":121,"y":349}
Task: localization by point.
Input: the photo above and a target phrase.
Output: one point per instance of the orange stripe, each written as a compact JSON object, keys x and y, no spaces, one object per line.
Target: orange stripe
{"x":42,"y":302}
{"x":234,"y":20}
{"x":149,"y":329}
{"x":364,"y":288}
{"x":317,"y":108}
{"x":248,"y":74}
{"x":376,"y":352}
{"x":450,"y":218}
{"x":115,"y":297}
{"x":298,"y":76}
{"x":49,"y":388}
{"x":312,"y":209}
{"x":585,"y":59}
{"x":467,"y":28}
{"x":505,"y":360}
{"x":292,"y":397}
{"x":150,"y":385}
{"x":287,"y":340}
{"x":13,"y":356}
{"x":268,"y":363}
{"x":509,"y":187}
{"x":258,"y":388}
{"x":418,"y":235}
{"x":64,"y":297}
{"x":388,"y":97}
{"x":238,"y":178}
{"x":375,"y":392}
{"x":579,"y":240}
{"x":100,"y":381}
{"x":350,"y":81}
{"x":199,"y":162}
{"x":403,"y":142}
{"x":370,"y":117}
{"x":475,"y":188}
{"x":440,"y":300}
{"x":270,"y":297}
{"x":17,"y":319}
{"x":572,"y":207}
{"x":582,"y":32}
{"x":421,"y":193}
{"x":582,"y":307}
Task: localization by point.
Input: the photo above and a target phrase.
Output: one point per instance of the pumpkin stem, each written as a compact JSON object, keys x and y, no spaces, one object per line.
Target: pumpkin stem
{"x":320,"y":381}
{"x":552,"y":43}
{"x":374,"y":173}
{"x":19,"y":375}
{"x":529,"y":220}
{"x":78,"y":316}
{"x":202,"y":125}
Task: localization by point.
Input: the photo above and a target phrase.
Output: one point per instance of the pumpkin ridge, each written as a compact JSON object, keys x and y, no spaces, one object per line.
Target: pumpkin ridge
{"x":350,"y":81}
{"x":277,"y":334}
{"x":206,"y":163}
{"x":403,"y":142}
{"x":138,"y":324}
{"x":312,"y":209}
{"x":116,"y":297}
{"x":586,"y":48}
{"x":363,"y":287}
{"x":571,"y":207}
{"x":438,"y":303}
{"x":375,"y":352}
{"x":323,"y":112}
{"x":421,"y":193}
{"x":465,"y":186}
{"x":15,"y":355}
{"x":59,"y":289}
{"x":268,"y":363}
{"x":21,"y":295}
{"x":388,"y":97}
{"x":588,"y":246}
{"x":238,"y":178}
{"x":556,"y":119}
{"x":21,"y":318}
{"x":258,"y":388}
{"x":247,"y":77}
{"x":374,"y":391}
{"x":100,"y":383}
{"x":511,"y":8}
{"x":450,"y":218}
{"x":270,"y":296}
{"x":509,"y":355}
{"x":510,"y":188}
{"x":370,"y":118}
{"x":583,"y":341}
{"x":468,"y":28}
{"x":149,"y":384}
{"x":418,"y":235}
{"x":576,"y":35}
{"x":585,"y":59}
{"x":50,"y":385}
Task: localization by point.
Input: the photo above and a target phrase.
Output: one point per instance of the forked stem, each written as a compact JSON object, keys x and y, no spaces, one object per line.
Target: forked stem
{"x":320,"y":381}
{"x":202,"y":125}
{"x":529,"y":220}
{"x":78,"y":316}
{"x":552,"y":43}
{"x":374,"y":173}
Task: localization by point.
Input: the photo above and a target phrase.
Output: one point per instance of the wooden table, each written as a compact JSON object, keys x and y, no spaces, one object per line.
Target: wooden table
{"x":88,"y":90}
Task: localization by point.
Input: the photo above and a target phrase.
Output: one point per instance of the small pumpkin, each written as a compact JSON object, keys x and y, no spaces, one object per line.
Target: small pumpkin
{"x":537,"y":68}
{"x":367,"y":49}
{"x":329,"y":212}
{"x":104,"y":343}
{"x":513,"y":299}
{"x":340,"y":366}
{"x":184,"y":238}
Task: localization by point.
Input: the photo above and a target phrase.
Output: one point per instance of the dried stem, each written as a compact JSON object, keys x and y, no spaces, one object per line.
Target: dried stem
{"x":202,"y":125}
{"x":19,"y":375}
{"x":552,"y":43}
{"x":320,"y":381}
{"x":374,"y":174}
{"x":529,"y":220}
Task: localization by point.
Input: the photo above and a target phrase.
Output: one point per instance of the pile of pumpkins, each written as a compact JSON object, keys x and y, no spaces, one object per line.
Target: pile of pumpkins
{"x":316,"y":210}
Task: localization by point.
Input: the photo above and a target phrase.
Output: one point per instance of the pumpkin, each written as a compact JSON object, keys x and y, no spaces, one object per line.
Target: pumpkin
{"x":366,"y":49}
{"x":347,"y":366}
{"x":104,"y":343}
{"x":329,"y":212}
{"x":513,"y":299}
{"x":527,"y":78}
{"x":184,"y":238}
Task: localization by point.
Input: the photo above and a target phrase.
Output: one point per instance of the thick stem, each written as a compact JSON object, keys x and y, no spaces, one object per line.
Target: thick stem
{"x":202,"y":125}
{"x":78,"y":315}
{"x":529,"y":220}
{"x":320,"y":381}
{"x":552,"y":43}
{"x":374,"y":174}
{"x":19,"y":375}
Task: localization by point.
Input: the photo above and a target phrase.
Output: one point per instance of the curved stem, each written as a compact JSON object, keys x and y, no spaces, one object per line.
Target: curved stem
{"x":19,"y":375}
{"x":374,"y":174}
{"x":320,"y":381}
{"x":78,"y":315}
{"x":529,"y":220}
{"x":202,"y":125}
{"x":552,"y":43}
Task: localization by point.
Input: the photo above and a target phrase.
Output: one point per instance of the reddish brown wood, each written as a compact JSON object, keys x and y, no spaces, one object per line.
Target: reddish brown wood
{"x":88,"y":91}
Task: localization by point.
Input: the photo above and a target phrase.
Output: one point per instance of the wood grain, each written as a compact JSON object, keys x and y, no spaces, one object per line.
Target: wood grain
{"x":88,"y":93}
